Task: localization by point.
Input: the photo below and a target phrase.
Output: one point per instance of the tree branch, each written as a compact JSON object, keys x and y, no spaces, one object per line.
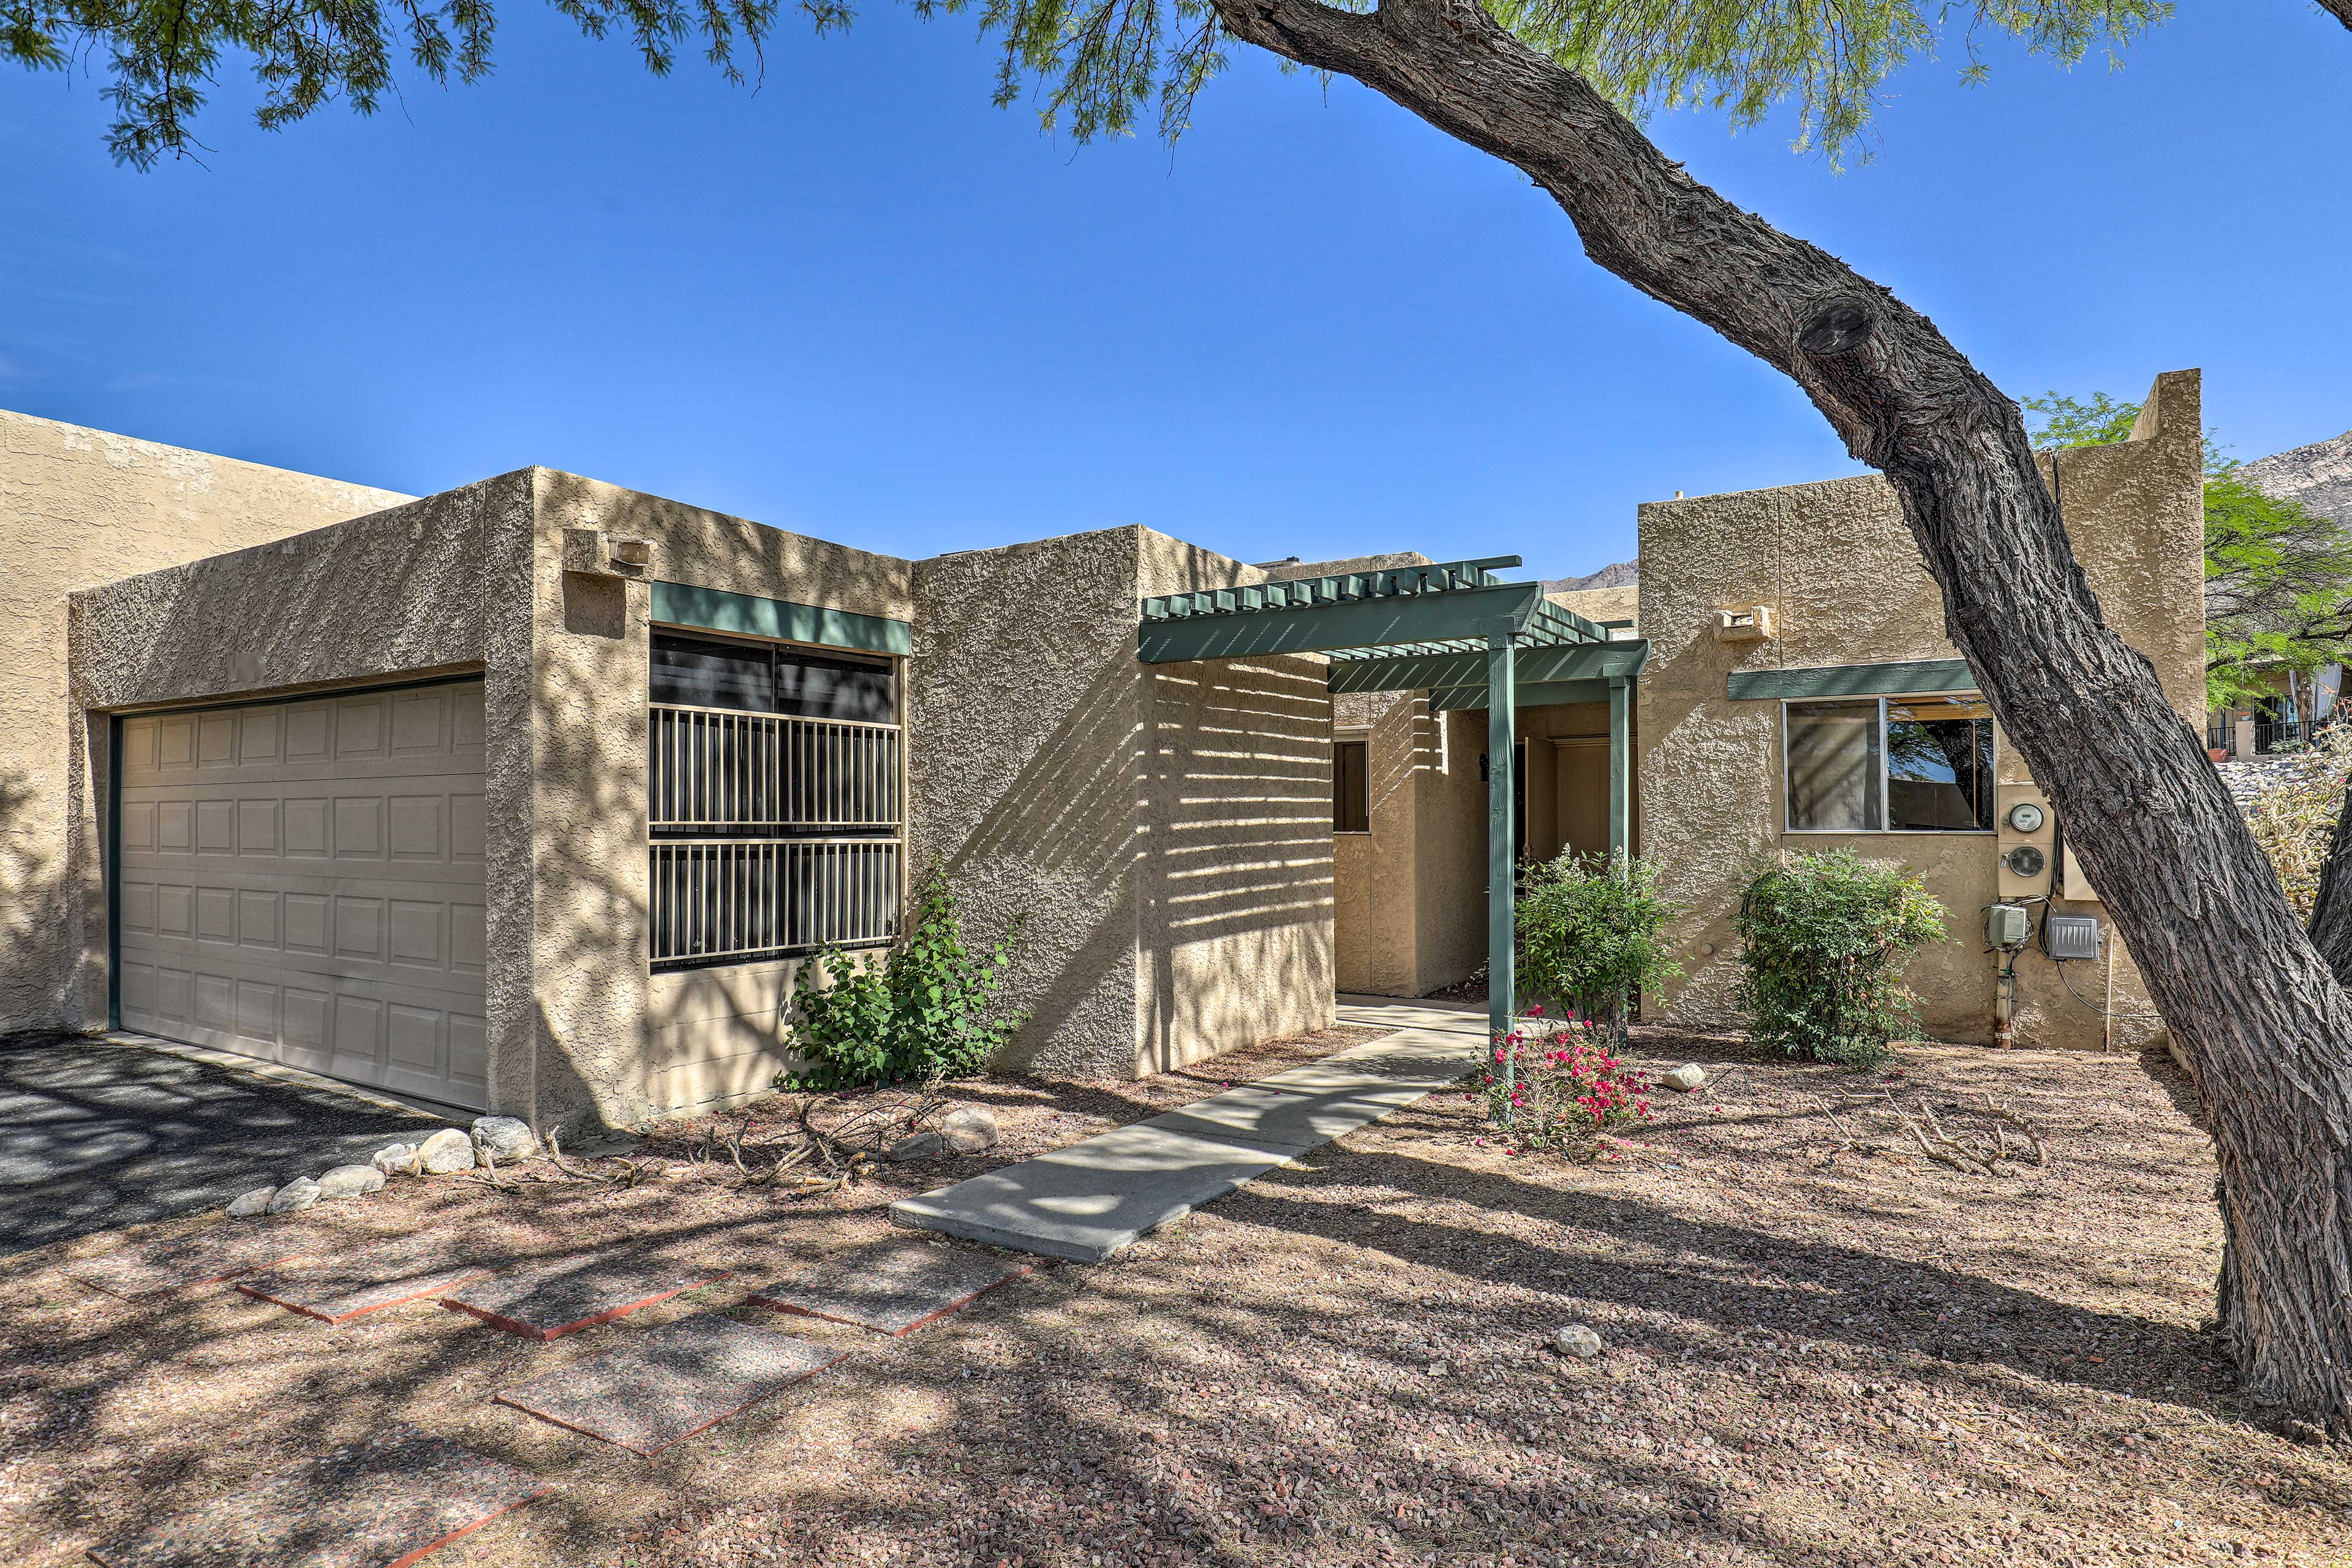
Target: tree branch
{"x":2340,"y":9}
{"x":2266,"y":1029}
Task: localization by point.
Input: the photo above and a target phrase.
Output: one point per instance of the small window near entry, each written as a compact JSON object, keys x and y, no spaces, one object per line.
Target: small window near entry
{"x":1352,"y":793}
{"x":1939,"y":764}
{"x":1835,"y":768}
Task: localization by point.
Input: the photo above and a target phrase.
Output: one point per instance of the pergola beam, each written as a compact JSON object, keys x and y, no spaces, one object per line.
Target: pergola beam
{"x":1318,"y":625}
{"x":1434,"y":672}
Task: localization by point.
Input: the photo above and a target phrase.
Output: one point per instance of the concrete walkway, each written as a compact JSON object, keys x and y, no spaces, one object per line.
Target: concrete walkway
{"x":1087,"y":1200}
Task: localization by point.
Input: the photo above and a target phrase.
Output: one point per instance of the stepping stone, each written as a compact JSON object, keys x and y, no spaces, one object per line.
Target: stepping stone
{"x":893,"y":1286}
{"x":669,"y":1383}
{"x":570,"y":1294}
{"x":206,"y":1256}
{"x":381,"y":1504}
{"x":337,"y":1289}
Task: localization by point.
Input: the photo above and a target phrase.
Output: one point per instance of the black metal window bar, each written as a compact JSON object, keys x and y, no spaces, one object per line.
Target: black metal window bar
{"x":774,"y":801}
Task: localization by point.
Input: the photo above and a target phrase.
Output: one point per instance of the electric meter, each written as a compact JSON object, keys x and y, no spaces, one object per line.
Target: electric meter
{"x":2025,"y":860}
{"x":2025,"y":817}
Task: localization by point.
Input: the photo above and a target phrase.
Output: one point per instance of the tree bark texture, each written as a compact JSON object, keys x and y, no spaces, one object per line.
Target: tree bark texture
{"x":2266,"y":1028}
{"x":2340,"y":9}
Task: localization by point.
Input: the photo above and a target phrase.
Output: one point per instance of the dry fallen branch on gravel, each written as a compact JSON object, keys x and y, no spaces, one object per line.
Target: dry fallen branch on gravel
{"x":1975,"y":1151}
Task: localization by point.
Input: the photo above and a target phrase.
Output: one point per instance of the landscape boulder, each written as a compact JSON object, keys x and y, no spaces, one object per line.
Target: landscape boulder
{"x":252,"y":1203}
{"x":1578,"y":1341}
{"x":445,"y":1152}
{"x":349,"y":1182}
{"x":395,"y":1160}
{"x":968,"y":1129}
{"x":918,"y":1146}
{"x":506,"y":1139}
{"x":299,"y":1194}
{"x":1689,"y":1077}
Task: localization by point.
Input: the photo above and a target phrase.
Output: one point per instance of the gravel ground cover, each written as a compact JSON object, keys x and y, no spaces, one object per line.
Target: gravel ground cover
{"x":1821,"y":1350}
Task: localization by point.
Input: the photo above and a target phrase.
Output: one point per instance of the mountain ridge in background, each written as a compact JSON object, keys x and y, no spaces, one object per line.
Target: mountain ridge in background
{"x":1616,"y":574}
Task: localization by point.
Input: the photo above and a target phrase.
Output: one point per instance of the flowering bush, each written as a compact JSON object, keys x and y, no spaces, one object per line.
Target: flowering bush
{"x":1548,"y":1086}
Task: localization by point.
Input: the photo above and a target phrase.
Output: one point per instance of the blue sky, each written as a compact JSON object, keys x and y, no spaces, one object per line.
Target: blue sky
{"x":863,"y":303}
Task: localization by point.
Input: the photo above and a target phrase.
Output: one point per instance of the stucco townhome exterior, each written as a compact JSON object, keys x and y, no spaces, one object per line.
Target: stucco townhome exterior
{"x":468,"y":795}
{"x":1773,"y":618}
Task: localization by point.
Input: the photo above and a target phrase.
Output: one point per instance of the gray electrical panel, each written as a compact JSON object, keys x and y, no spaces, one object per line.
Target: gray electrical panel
{"x":2007,"y":925}
{"x":2071,"y":936}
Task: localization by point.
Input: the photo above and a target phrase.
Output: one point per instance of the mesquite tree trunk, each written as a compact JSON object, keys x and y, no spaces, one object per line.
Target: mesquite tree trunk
{"x":2266,"y":1028}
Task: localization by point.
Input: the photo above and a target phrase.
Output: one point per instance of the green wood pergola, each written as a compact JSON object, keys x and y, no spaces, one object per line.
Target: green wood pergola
{"x":1453,"y":630}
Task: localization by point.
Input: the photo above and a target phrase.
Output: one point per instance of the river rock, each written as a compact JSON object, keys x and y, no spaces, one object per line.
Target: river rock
{"x":445,"y":1152}
{"x":349,"y":1182}
{"x":1689,"y":1077}
{"x":395,"y":1160}
{"x":299,"y":1194}
{"x":918,"y":1146}
{"x":506,"y":1139}
{"x":253,"y":1203}
{"x":968,"y":1129}
{"x":1579,"y":1341}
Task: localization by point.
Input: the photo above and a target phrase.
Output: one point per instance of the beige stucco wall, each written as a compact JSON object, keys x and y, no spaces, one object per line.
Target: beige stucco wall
{"x":1599,"y":605}
{"x":79,"y":508}
{"x":1165,"y":830}
{"x":474,"y":579}
{"x":1837,"y":566}
{"x":1414,"y":886}
{"x":686,"y":1037}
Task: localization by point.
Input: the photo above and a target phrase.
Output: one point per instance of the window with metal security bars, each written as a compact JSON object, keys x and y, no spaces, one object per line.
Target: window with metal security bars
{"x":775,"y":810}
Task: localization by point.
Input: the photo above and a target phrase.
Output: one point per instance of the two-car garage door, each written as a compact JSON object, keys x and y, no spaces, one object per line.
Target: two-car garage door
{"x":303,"y":881}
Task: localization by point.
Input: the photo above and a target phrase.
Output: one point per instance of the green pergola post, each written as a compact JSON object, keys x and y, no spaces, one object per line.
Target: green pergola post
{"x":1502,"y":710}
{"x":1620,"y":763}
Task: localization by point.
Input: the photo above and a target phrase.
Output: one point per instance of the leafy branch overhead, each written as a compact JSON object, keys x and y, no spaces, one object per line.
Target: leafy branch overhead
{"x":1094,"y":67}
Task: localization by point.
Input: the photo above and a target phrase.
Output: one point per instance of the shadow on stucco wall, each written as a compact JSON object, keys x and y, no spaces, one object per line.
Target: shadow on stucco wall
{"x":1054,"y":842}
{"x":32,"y":901}
{"x":1236,"y":857}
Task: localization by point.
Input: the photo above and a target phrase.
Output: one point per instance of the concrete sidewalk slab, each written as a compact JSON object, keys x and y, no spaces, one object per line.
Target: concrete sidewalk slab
{"x":1086,"y":1202}
{"x":658,"y":1388}
{"x":1295,"y":1119}
{"x":893,"y":1286}
{"x":388,"y":1501}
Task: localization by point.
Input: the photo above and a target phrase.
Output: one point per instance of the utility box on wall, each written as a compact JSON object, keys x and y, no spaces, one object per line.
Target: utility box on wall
{"x":2025,"y":835}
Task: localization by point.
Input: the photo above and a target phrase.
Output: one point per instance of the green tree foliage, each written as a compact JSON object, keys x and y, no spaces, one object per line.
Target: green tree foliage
{"x":1823,"y":942}
{"x":1093,"y":66}
{"x":926,"y":1008}
{"x":2278,"y":577}
{"x":1591,"y":934}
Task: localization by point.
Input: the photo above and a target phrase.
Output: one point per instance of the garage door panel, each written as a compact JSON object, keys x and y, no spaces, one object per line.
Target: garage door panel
{"x":359,"y":827}
{"x":304,"y":881}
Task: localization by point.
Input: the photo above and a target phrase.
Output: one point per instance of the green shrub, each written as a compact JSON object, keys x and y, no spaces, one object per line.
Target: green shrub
{"x":1825,"y":939}
{"x":1592,"y":935}
{"x":925,"y":1008}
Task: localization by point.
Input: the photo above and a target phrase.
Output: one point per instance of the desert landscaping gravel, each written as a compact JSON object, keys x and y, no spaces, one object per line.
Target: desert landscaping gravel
{"x":1819,"y":1349}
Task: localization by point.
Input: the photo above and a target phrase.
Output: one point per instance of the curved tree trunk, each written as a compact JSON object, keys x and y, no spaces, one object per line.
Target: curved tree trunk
{"x":2340,"y":9}
{"x":2266,"y":1028}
